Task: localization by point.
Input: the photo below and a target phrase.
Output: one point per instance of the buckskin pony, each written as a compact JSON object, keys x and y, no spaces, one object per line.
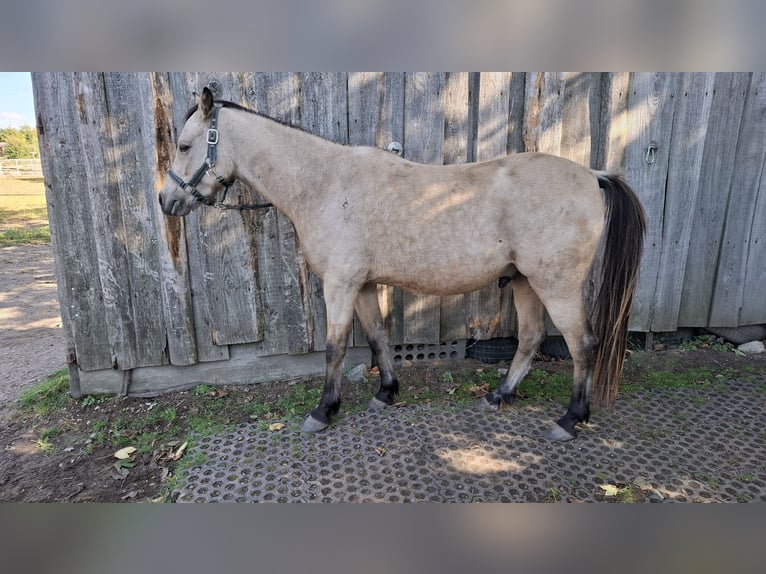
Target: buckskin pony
{"x":365,"y":216}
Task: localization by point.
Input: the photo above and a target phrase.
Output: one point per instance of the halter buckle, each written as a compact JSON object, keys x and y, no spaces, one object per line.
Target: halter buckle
{"x":212,"y":136}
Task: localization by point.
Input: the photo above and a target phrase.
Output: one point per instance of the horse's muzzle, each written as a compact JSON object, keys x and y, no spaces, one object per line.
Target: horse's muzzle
{"x":173,"y":207}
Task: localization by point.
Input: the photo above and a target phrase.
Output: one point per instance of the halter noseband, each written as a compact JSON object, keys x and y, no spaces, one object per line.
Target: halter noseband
{"x":207,"y":166}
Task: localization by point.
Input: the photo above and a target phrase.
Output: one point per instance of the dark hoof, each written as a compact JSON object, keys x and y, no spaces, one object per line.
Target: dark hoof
{"x":558,"y":434}
{"x":376,"y":404}
{"x":313,"y":425}
{"x":489,"y":402}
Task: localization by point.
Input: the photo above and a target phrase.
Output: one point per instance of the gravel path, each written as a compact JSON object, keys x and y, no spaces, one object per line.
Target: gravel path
{"x":32,"y":343}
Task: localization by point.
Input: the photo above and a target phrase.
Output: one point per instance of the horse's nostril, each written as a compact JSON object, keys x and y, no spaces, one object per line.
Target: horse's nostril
{"x":160,"y":201}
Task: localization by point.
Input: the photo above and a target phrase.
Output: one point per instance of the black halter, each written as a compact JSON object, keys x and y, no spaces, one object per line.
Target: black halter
{"x":207,"y":167}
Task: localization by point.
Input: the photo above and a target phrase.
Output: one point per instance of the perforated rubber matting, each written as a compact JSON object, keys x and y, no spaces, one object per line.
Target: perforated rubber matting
{"x":678,"y":445}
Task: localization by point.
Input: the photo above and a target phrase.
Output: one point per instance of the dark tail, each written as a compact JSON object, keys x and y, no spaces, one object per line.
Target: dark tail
{"x":625,"y":230}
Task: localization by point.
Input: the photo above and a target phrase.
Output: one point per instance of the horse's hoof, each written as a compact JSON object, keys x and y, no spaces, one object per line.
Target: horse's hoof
{"x":313,"y":425}
{"x":485,"y":404}
{"x":558,"y":434}
{"x":376,"y":404}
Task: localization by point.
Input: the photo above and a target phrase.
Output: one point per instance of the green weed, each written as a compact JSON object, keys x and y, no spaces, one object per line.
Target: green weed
{"x":48,"y":396}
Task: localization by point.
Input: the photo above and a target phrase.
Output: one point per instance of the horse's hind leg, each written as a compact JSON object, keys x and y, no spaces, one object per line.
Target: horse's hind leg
{"x":531,"y":317}
{"x":339,"y":301}
{"x":368,"y":311}
{"x":569,"y":317}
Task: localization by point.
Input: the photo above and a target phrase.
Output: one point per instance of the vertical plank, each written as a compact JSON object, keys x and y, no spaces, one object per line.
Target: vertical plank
{"x":543,"y":122}
{"x":60,"y":109}
{"x":109,"y":233}
{"x":182,"y":262}
{"x":576,"y":118}
{"x":223,"y":256}
{"x":489,"y":309}
{"x":750,"y":156}
{"x":365,"y":91}
{"x":518,"y":107}
{"x":129,"y":100}
{"x":458,"y":143}
{"x":424,"y":143}
{"x":650,"y":121}
{"x":613,"y":129}
{"x":690,"y":122}
{"x":282,"y":270}
{"x":324,"y":101}
{"x":728,"y":102}
{"x":391,"y":128}
{"x":543,"y":112}
{"x":169,"y":232}
{"x":753,"y":309}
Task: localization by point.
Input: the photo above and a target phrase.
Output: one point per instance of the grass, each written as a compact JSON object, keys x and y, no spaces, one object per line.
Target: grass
{"x":48,"y":396}
{"x":23,"y":211}
{"x":168,"y":421}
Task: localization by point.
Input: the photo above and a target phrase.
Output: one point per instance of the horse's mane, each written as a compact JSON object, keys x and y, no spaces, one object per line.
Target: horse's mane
{"x":227,"y":104}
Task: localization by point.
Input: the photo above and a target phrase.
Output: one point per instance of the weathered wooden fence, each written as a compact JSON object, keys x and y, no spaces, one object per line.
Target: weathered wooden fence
{"x":20,"y":168}
{"x":227,"y":297}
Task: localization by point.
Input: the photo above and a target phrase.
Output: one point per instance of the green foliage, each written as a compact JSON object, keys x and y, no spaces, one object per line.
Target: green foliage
{"x":48,"y":396}
{"x":22,"y":143}
{"x":16,"y":236}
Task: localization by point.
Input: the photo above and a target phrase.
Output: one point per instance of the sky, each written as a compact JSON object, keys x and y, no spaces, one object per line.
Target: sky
{"x":17,"y":106}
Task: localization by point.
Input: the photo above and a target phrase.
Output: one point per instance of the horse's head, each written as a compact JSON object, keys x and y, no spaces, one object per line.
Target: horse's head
{"x":199,"y":172}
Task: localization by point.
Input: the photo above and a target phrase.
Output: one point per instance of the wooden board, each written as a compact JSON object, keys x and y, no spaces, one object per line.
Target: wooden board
{"x":728,"y":292}
{"x":60,"y":109}
{"x":717,"y":170}
{"x":324,"y":101}
{"x":170,"y":235}
{"x":651,"y":104}
{"x":281,"y":269}
{"x":389,"y":127}
{"x":753,"y":309}
{"x":488,"y":310}
{"x":424,"y":143}
{"x":221,"y":243}
{"x":543,"y":112}
{"x":613,"y":122}
{"x":690,"y":121}
{"x":458,"y":148}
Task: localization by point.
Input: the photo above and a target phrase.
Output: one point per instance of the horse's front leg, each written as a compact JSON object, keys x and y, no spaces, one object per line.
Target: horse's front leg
{"x":368,"y":310}
{"x":339,"y":299}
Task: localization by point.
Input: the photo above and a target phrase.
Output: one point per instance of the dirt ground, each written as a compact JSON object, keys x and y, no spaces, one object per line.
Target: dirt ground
{"x":67,"y":454}
{"x":31,"y":337}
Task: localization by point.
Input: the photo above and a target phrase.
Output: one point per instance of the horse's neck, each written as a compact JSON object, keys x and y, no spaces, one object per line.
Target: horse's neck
{"x":289,"y":167}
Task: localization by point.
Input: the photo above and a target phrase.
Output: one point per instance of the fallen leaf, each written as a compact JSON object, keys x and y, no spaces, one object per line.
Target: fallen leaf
{"x":609,"y":489}
{"x":400,"y":404}
{"x":125,"y":453}
{"x":180,"y":452}
{"x":274,"y":427}
{"x":479,"y":391}
{"x":451,"y":390}
{"x":131,"y":495}
{"x":380,"y":450}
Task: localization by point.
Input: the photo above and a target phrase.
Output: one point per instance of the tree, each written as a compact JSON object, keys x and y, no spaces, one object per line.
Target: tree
{"x":22,"y":142}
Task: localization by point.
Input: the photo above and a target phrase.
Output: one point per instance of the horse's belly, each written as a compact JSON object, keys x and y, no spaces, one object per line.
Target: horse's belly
{"x":448,"y":277}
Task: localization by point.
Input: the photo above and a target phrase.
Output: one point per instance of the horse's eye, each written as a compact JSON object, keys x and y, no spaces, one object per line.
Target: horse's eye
{"x":184,"y":148}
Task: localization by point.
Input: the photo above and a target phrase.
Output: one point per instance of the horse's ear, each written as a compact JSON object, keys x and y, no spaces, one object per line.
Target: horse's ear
{"x":206,"y":102}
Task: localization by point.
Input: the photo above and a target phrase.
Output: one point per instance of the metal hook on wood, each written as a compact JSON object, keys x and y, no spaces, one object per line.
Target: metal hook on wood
{"x":651,"y":151}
